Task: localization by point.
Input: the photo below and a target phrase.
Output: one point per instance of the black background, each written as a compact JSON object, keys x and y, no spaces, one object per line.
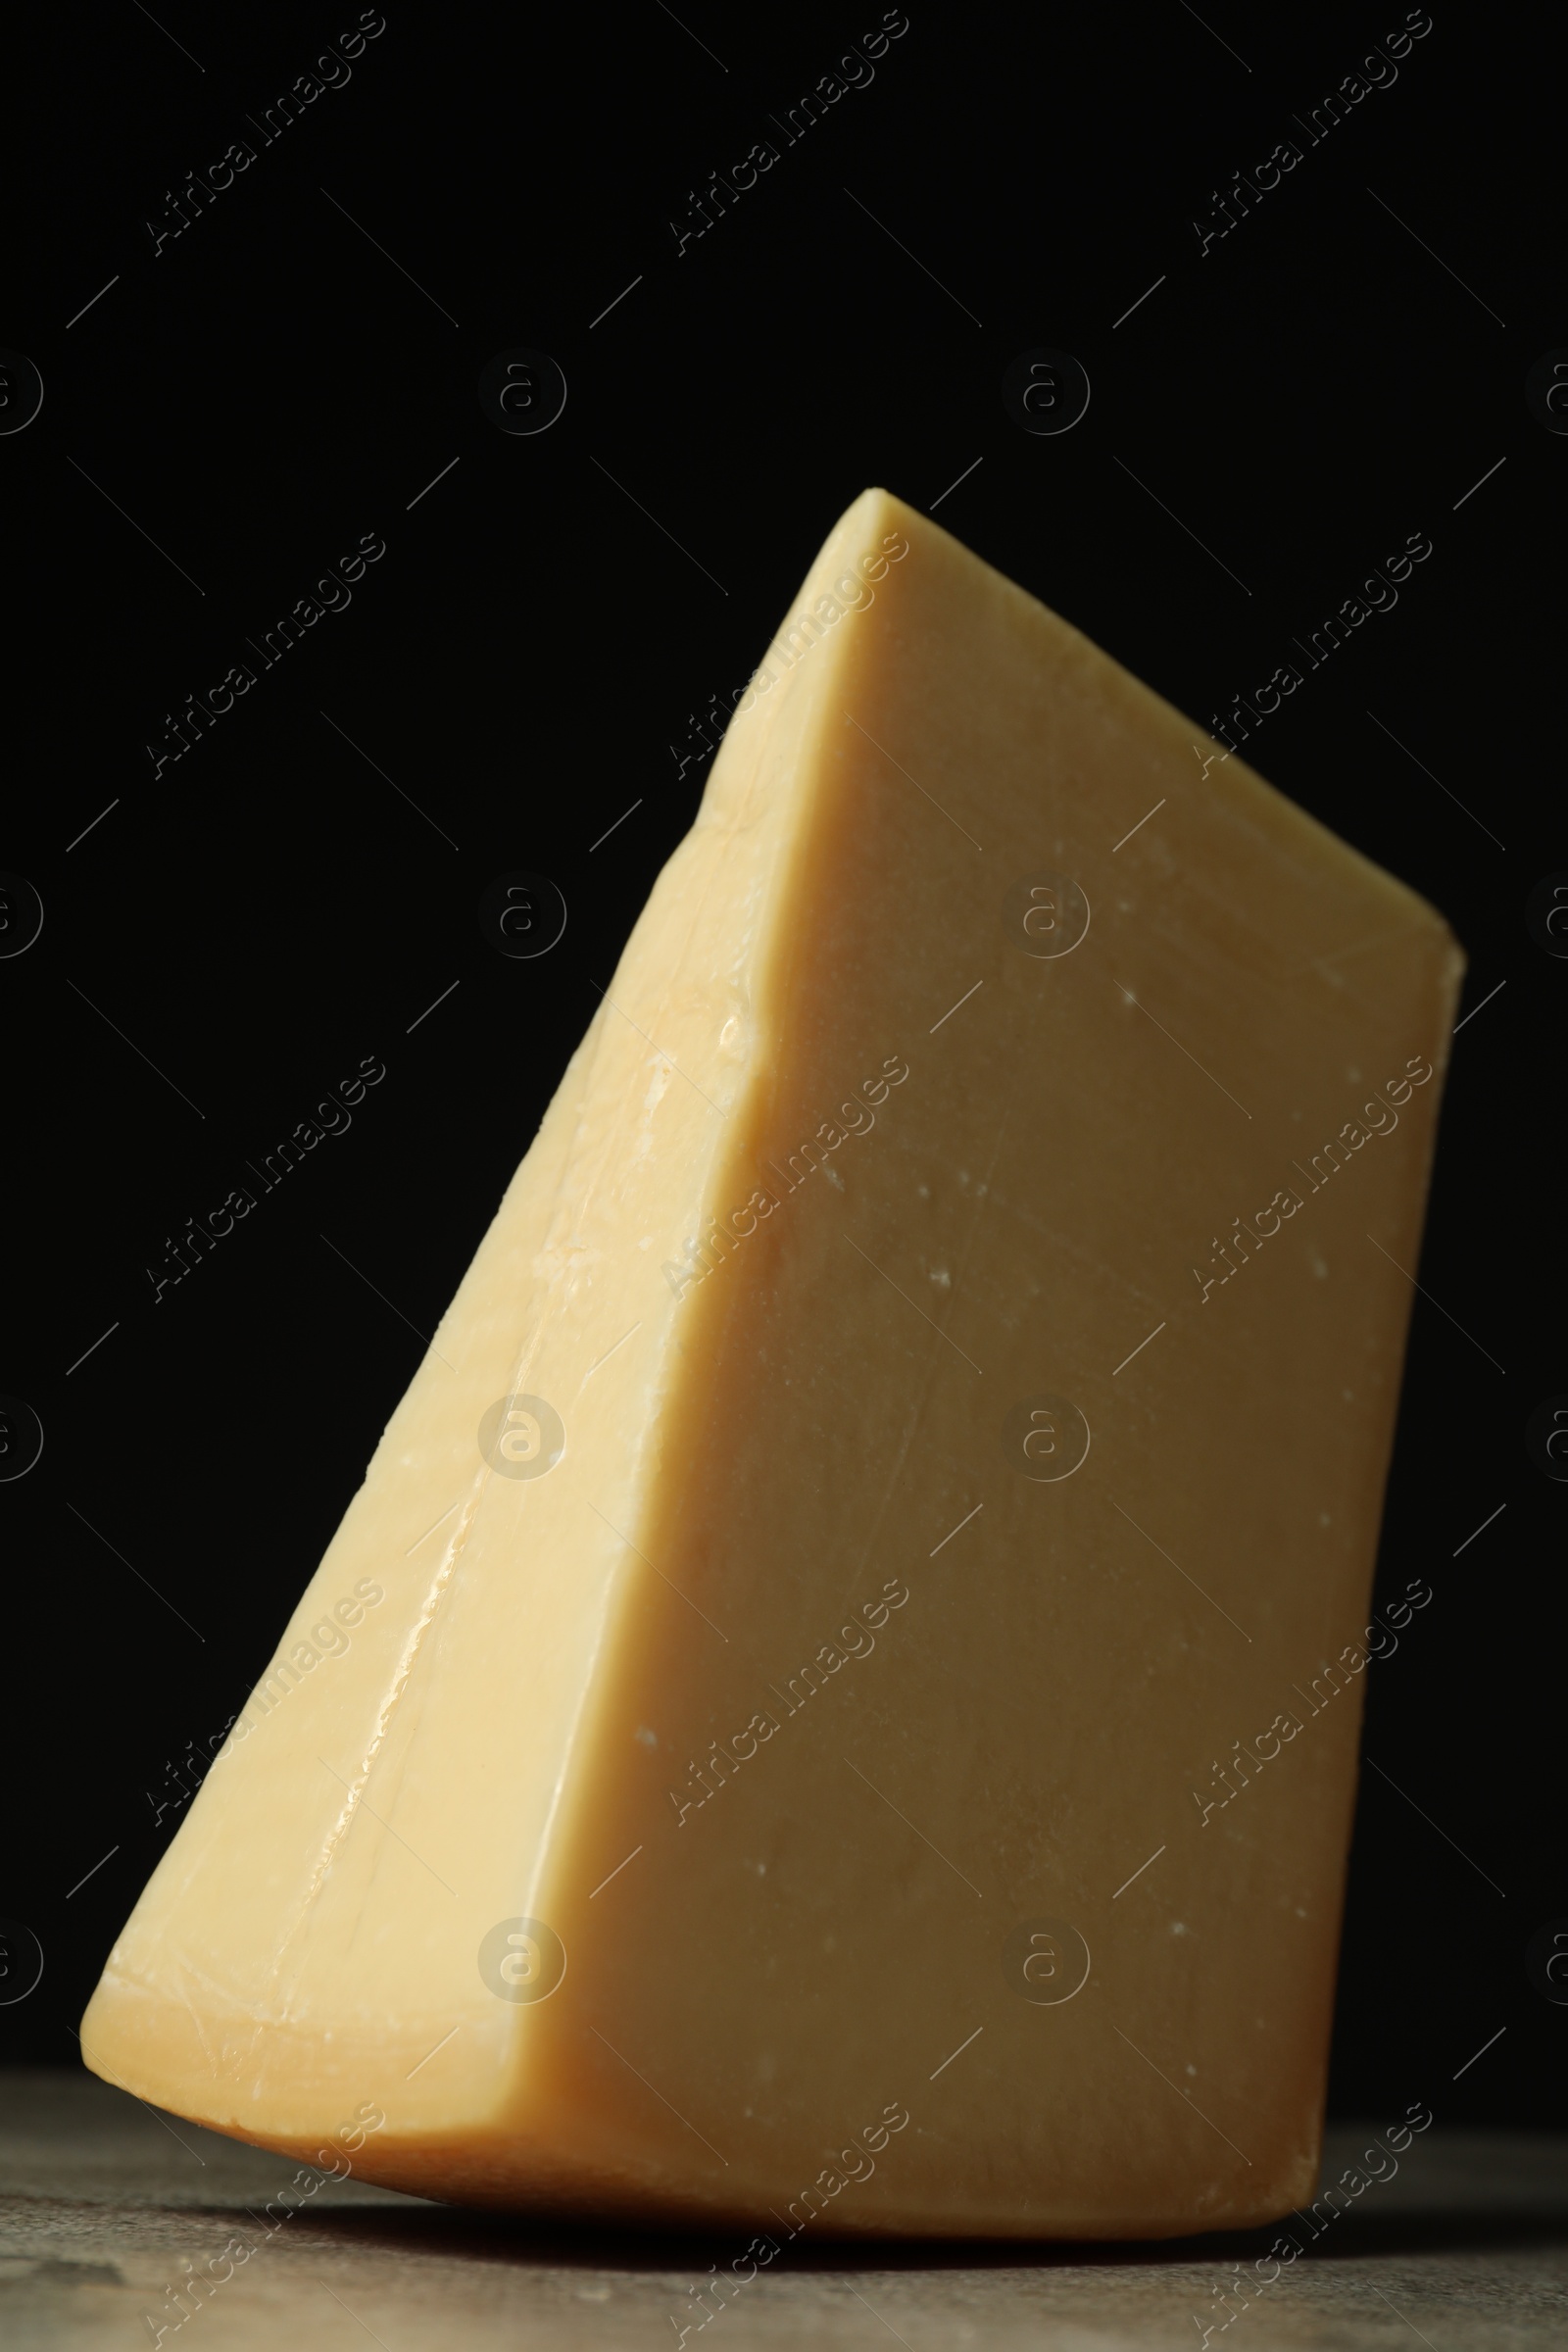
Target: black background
{"x":236,"y":933}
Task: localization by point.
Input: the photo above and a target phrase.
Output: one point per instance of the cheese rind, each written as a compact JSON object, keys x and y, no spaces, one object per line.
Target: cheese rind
{"x":976,"y":1389}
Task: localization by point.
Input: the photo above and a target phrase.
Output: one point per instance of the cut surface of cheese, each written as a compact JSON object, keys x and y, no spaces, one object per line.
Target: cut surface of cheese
{"x":836,"y":1704}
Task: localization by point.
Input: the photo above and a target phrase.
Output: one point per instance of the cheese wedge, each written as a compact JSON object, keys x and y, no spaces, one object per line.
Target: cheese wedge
{"x":835,"y":1706}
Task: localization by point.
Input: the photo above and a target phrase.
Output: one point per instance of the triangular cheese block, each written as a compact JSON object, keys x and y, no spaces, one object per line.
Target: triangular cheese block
{"x":835,"y":1706}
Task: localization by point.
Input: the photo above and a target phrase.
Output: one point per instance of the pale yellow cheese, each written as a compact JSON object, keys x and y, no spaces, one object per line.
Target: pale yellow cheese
{"x":870,"y":1744}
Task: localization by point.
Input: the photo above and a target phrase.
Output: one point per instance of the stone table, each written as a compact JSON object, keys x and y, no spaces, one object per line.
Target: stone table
{"x":106,"y":2206}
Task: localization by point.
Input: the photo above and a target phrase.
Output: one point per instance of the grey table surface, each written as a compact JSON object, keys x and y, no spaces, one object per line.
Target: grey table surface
{"x":106,"y":2206}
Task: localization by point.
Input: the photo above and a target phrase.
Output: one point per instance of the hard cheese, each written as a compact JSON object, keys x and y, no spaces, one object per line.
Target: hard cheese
{"x":859,"y":1729}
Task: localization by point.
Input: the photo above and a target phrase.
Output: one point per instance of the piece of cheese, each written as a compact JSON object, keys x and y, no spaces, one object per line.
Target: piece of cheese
{"x":836,"y":1703}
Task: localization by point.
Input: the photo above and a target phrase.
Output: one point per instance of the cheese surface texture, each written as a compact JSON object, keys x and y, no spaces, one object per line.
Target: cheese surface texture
{"x":855,"y":1727}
